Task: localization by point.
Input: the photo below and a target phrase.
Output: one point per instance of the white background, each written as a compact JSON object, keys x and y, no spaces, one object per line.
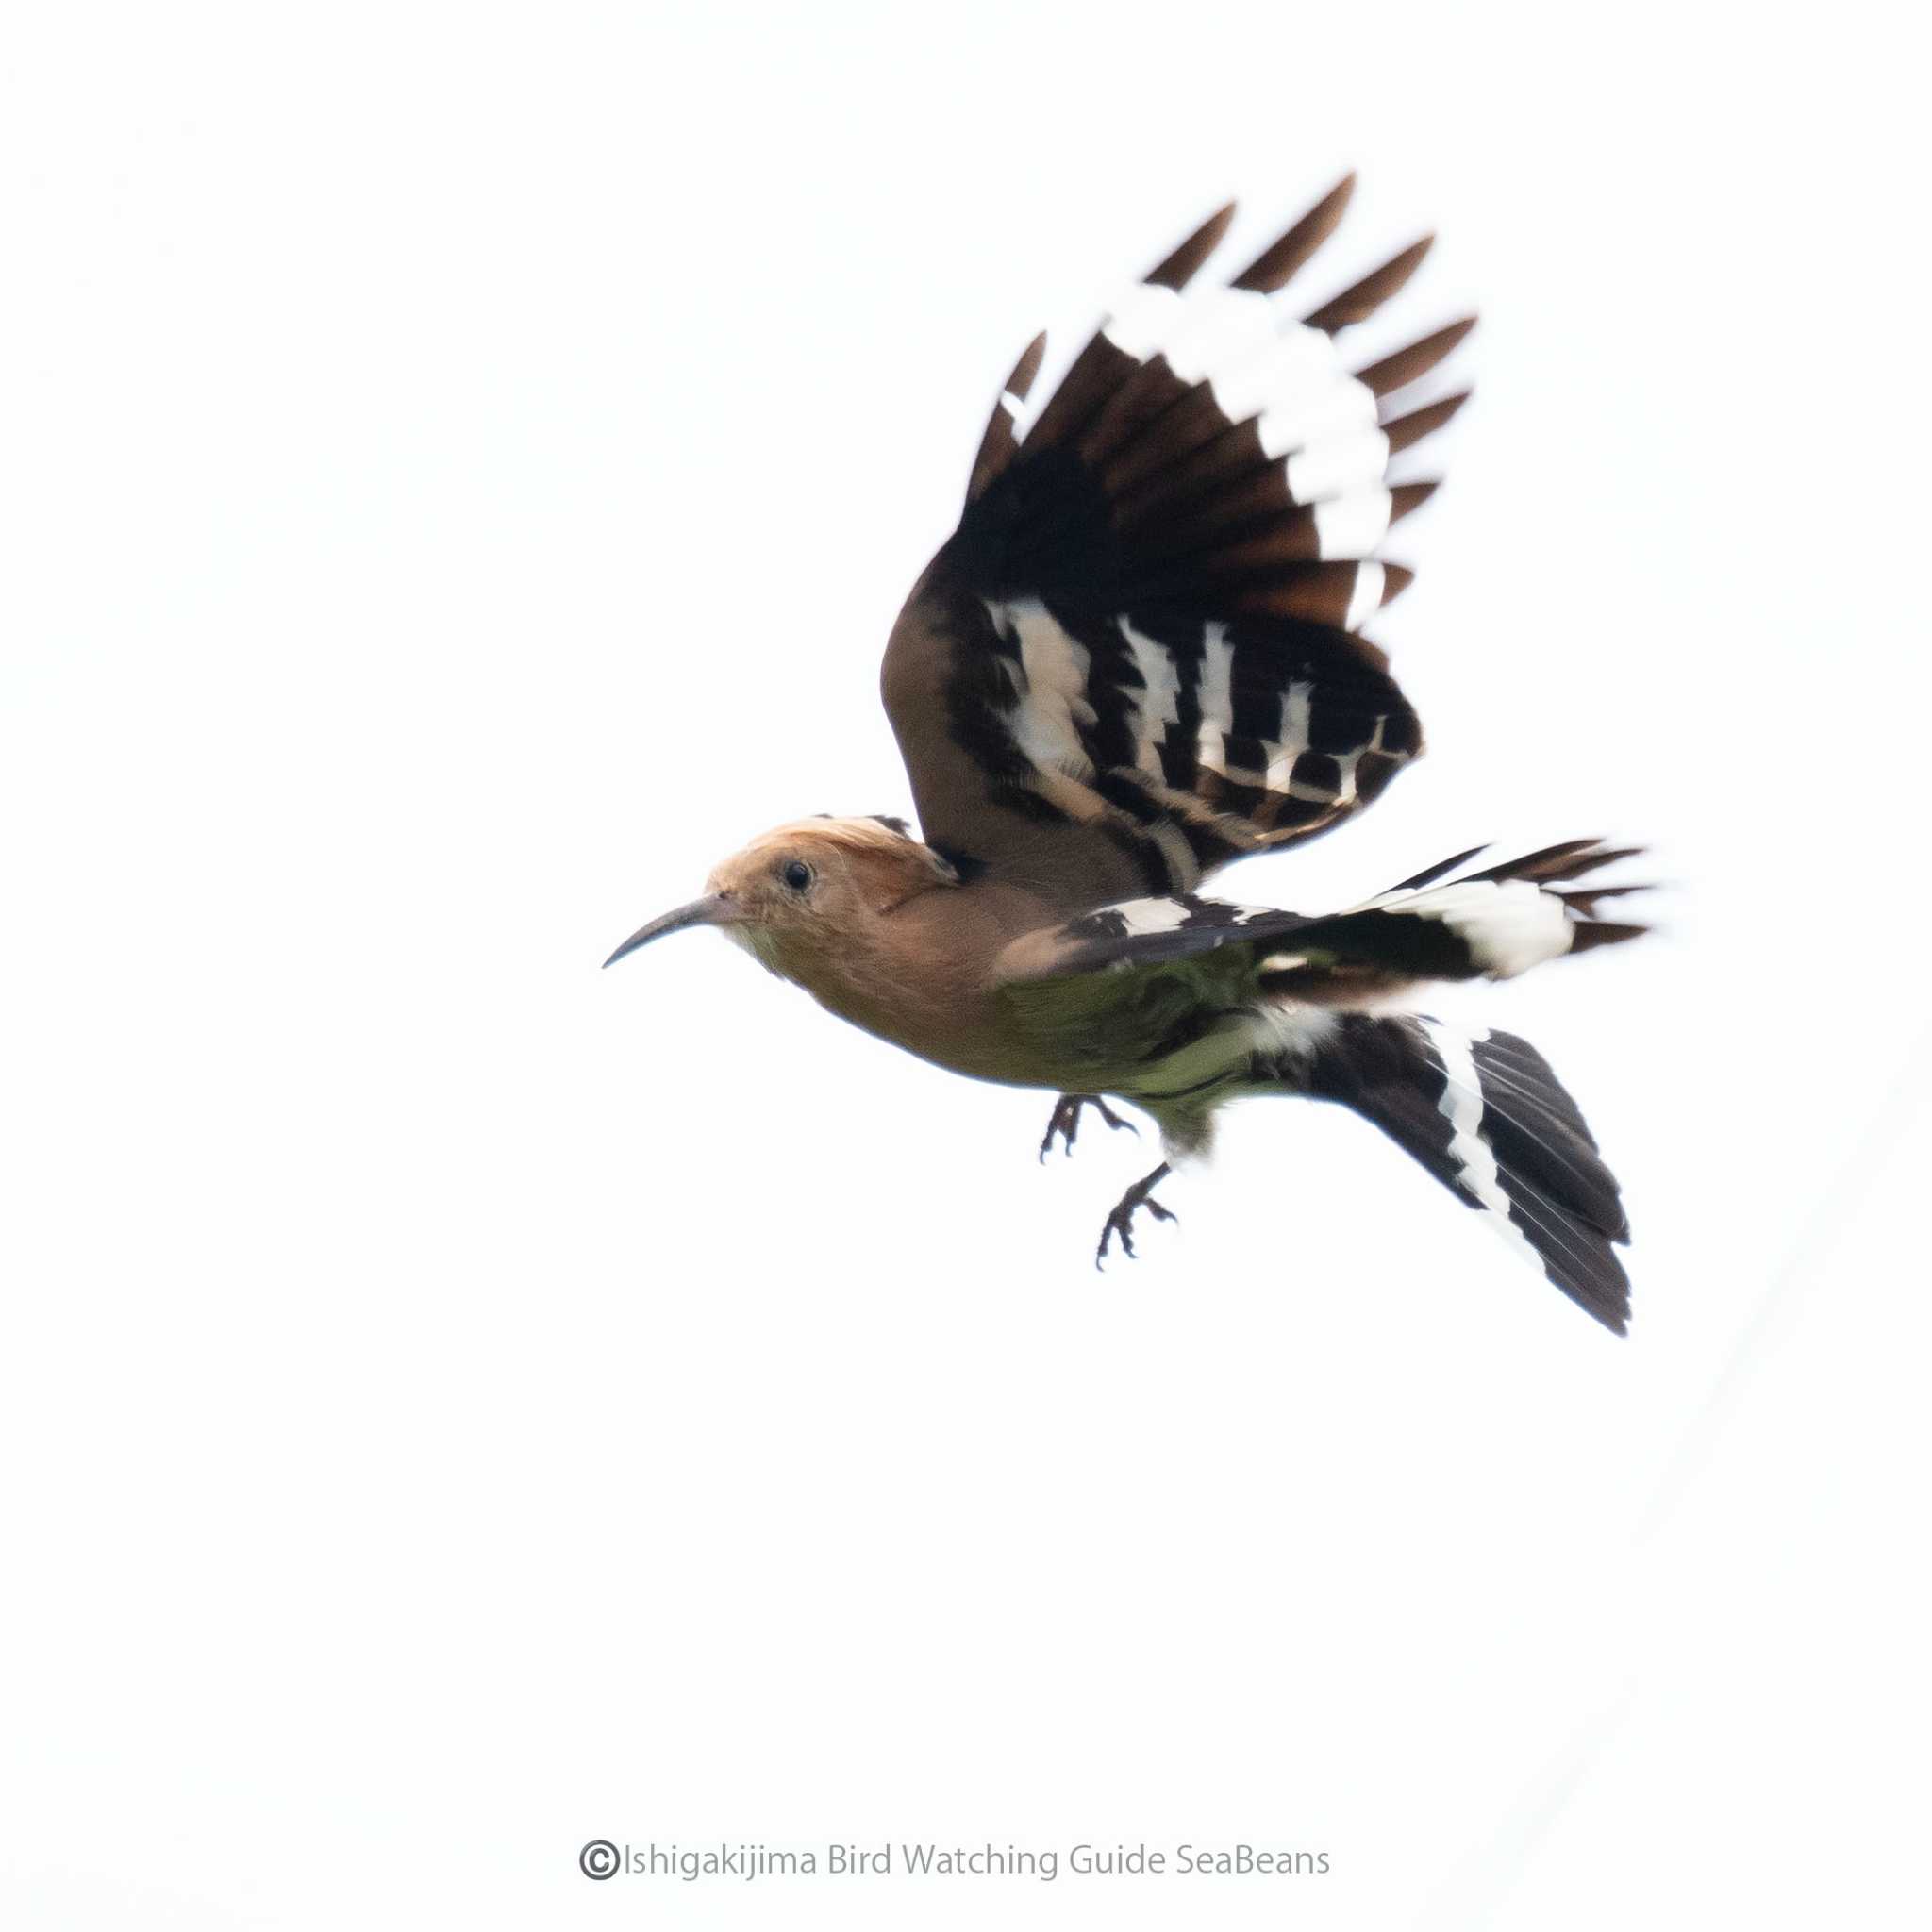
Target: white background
{"x":460,"y":466}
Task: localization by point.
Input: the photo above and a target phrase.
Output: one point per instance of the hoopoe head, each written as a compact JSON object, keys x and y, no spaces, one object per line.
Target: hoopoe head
{"x":806,"y":893}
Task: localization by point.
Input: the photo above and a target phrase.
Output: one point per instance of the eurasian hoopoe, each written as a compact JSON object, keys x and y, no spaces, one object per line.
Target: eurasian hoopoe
{"x":1137,"y":658}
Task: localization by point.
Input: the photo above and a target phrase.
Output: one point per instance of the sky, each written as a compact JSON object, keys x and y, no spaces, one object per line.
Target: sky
{"x":460,"y":467}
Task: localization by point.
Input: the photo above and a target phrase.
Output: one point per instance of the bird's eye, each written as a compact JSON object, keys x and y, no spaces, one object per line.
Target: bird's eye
{"x":797,"y":874}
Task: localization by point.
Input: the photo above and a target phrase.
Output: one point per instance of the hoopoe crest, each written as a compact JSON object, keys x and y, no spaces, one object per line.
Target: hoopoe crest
{"x":1141,"y":656}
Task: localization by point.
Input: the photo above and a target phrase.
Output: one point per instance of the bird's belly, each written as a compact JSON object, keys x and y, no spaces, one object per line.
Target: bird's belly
{"x":974,"y":1038}
{"x":1267,"y":1043}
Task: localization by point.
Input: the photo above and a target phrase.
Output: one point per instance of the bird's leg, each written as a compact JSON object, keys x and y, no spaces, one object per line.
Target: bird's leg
{"x":1066,"y":1119}
{"x":1121,"y":1222}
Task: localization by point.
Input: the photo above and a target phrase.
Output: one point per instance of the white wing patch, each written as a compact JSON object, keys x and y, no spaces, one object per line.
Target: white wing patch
{"x":1143,"y":318}
{"x":1153,"y":915}
{"x":1287,"y":379}
{"x":1053,"y":706}
{"x":1507,"y":924}
{"x":1217,"y":695}
{"x":1366,"y":598}
{"x":1159,"y":705}
{"x":1292,"y":735}
{"x":1353,"y":526}
{"x":1343,"y":461}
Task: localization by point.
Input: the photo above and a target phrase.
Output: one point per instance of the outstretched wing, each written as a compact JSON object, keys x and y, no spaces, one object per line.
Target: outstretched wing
{"x":1138,"y":656}
{"x":1488,"y":924}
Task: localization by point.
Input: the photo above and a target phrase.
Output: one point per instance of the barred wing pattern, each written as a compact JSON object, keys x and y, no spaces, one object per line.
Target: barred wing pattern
{"x":1138,"y":656}
{"x":1488,"y":924}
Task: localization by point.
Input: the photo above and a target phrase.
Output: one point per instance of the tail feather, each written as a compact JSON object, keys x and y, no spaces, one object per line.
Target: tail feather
{"x":1484,"y":1113}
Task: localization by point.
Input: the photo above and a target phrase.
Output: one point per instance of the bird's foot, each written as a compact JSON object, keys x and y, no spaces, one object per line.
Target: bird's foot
{"x":1066,"y":1119}
{"x":1121,"y":1222}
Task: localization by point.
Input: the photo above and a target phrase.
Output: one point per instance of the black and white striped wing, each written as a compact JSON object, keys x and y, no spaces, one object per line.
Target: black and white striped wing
{"x":1139,"y":654}
{"x":1445,"y":923}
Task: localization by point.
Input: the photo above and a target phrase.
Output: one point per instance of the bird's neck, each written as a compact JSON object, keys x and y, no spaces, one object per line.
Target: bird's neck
{"x":918,"y":974}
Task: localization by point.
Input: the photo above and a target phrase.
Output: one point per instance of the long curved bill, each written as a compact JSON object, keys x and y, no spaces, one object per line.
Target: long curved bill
{"x":714,"y":910}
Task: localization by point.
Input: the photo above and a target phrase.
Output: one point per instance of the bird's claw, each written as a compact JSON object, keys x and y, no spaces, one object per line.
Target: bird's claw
{"x":1121,"y":1222}
{"x":1066,"y":1119}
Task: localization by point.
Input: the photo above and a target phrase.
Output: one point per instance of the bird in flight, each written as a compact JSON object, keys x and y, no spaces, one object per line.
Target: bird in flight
{"x":1138,"y":658}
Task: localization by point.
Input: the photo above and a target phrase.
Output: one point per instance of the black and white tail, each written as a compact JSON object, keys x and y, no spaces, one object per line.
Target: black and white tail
{"x":1484,"y":1113}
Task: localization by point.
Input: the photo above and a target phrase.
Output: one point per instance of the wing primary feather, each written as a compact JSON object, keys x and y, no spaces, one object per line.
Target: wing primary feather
{"x":1181,"y":267}
{"x":1360,"y":300}
{"x":1430,"y":873}
{"x":1344,"y":594}
{"x":1407,"y":498}
{"x":1405,"y":431}
{"x":1279,"y":264}
{"x":1409,"y":364}
{"x":1569,"y":860}
{"x":1102,"y":366}
{"x":1000,"y":444}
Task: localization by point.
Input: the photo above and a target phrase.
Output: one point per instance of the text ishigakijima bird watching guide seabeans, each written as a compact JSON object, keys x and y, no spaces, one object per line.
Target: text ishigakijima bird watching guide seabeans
{"x":1138,"y":658}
